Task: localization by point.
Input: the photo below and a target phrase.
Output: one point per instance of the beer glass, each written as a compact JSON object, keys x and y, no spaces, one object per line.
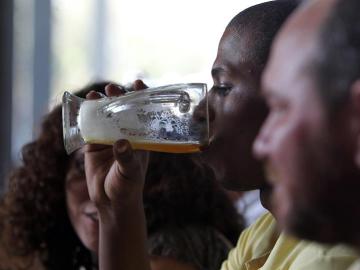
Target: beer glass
{"x":156,"y":119}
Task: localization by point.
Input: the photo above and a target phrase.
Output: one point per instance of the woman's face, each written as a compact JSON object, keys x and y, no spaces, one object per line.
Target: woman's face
{"x":236,"y":112}
{"x":82,"y":211}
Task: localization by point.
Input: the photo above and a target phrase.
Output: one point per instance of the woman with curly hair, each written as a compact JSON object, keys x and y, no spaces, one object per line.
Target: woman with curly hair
{"x":49,"y":222}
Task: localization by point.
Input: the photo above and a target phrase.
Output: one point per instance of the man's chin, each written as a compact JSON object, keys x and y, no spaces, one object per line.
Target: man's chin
{"x":305,"y":225}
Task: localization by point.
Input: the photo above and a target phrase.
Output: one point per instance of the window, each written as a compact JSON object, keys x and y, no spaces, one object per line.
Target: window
{"x":63,"y":45}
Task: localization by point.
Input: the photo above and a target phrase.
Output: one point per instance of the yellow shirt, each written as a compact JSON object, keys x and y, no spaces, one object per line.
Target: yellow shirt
{"x":261,"y":246}
{"x":355,"y":266}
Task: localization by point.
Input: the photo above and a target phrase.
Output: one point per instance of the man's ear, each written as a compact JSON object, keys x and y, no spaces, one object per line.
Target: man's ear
{"x":355,"y":123}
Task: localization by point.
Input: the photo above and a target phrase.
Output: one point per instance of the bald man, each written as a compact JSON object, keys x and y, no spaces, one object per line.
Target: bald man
{"x":310,"y":141}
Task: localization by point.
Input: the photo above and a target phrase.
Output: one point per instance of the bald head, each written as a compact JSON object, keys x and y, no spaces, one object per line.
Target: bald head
{"x":337,"y":65}
{"x":329,"y":34}
{"x":296,"y":46}
{"x":310,"y":139}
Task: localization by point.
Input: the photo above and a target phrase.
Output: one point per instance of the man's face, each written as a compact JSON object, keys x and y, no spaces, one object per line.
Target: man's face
{"x":304,"y":150}
{"x":236,"y":113}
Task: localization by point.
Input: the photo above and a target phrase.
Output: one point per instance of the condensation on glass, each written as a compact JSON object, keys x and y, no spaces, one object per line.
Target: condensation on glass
{"x":156,"y":119}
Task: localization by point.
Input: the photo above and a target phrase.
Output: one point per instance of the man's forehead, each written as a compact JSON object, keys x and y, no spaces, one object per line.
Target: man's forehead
{"x":233,"y":56}
{"x":305,"y":24}
{"x":309,"y":17}
{"x":296,"y":43}
{"x":236,"y":45}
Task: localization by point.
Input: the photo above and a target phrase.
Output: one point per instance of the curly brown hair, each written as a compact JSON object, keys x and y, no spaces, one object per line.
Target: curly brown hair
{"x":178,"y":192}
{"x":36,"y":218}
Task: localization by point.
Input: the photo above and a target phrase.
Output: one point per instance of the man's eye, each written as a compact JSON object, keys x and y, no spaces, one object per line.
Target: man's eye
{"x":222,"y":89}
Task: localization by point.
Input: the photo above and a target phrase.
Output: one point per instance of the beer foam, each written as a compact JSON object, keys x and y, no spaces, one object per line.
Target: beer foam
{"x":94,"y":125}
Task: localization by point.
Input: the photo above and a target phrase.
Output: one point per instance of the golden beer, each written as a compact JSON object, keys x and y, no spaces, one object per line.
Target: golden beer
{"x":156,"y":119}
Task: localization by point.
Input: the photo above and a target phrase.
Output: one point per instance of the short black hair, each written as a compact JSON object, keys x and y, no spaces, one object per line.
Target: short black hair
{"x":337,"y":59}
{"x":264,"y":20}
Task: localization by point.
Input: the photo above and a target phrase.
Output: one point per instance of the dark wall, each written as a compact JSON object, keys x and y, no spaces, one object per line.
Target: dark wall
{"x":6,"y":49}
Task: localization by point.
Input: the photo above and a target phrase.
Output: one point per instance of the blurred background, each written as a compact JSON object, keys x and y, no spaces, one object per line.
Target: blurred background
{"x":50,"y":46}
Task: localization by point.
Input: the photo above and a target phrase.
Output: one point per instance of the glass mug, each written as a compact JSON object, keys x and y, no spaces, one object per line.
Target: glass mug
{"x":155,"y":119}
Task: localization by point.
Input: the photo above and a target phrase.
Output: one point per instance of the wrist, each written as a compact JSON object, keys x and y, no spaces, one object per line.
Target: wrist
{"x":110,"y":214}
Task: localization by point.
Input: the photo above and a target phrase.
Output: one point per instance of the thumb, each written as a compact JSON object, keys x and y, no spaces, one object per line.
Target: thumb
{"x":131,"y":165}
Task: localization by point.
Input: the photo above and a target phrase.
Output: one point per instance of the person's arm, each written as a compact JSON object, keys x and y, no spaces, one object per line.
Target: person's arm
{"x":115,"y":178}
